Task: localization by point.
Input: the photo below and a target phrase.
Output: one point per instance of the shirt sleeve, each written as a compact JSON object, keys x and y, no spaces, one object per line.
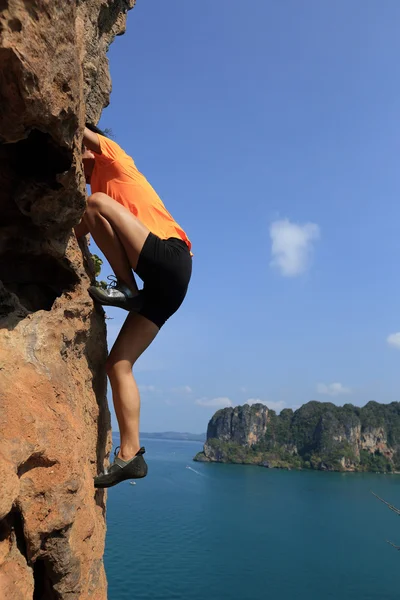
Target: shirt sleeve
{"x":110,"y":151}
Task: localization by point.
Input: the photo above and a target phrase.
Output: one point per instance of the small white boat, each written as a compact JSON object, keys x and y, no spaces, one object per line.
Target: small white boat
{"x":132,"y":482}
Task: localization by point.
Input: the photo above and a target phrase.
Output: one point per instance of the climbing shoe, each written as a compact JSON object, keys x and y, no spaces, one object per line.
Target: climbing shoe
{"x":120,"y":470}
{"x":117,"y":294}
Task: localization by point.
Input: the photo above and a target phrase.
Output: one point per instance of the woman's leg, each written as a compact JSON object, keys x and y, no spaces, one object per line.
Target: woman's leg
{"x":118,"y":234}
{"x":136,"y":335}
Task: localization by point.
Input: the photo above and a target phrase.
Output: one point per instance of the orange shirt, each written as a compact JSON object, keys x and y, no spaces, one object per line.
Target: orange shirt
{"x":116,"y":175}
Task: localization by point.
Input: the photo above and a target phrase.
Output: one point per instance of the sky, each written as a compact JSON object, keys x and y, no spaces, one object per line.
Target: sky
{"x":271,"y":132}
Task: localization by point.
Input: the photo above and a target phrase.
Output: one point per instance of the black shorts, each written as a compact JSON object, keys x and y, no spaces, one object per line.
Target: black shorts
{"x":165,"y":267}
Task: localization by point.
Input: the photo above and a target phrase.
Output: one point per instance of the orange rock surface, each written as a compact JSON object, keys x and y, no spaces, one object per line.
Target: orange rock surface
{"x":54,"y":417}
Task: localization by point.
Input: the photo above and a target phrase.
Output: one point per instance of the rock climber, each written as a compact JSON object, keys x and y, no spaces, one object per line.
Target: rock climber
{"x":132,"y":227}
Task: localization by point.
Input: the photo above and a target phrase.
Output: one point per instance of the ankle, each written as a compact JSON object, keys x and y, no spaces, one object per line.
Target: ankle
{"x":128,"y":452}
{"x":131,"y":287}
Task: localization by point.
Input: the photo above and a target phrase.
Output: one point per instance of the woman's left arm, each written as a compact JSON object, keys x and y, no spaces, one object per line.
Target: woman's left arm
{"x":81,"y":229}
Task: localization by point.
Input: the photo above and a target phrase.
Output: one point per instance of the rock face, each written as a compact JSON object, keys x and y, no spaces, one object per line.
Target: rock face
{"x":54,"y":418}
{"x":318,"y":436}
{"x":243,"y":425}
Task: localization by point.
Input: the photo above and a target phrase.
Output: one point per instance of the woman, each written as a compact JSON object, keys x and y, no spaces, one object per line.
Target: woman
{"x":135,"y":232}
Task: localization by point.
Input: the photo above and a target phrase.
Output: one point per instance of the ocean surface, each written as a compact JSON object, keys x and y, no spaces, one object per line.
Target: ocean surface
{"x":195,"y":531}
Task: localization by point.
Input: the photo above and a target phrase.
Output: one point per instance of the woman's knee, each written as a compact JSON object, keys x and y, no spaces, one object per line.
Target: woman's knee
{"x":96,"y":201}
{"x":117,"y":368}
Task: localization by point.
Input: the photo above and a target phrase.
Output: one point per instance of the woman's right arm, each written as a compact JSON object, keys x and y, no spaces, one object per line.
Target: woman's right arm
{"x":91,"y":140}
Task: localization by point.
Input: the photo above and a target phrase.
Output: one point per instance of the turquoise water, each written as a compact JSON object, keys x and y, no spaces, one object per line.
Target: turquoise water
{"x":229,"y":532}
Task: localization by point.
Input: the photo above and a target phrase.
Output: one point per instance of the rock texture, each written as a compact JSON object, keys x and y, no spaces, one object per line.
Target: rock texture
{"x":54,"y":418}
{"x":318,"y":436}
{"x":243,"y":425}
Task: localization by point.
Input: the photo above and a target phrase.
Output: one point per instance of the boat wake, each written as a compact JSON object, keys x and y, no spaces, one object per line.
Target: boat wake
{"x":194,"y":471}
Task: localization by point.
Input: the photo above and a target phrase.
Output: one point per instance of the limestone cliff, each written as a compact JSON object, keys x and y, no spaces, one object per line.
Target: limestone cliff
{"x":54,"y":419}
{"x":317,"y":435}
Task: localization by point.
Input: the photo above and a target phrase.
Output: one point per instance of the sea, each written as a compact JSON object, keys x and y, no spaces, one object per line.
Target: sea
{"x":198,"y":531}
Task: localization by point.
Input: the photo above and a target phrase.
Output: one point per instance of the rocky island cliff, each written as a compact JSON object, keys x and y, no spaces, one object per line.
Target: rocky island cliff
{"x":318,"y":435}
{"x":54,"y":418}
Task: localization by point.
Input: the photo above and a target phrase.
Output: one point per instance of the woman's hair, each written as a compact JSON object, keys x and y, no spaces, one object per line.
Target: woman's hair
{"x":96,"y":129}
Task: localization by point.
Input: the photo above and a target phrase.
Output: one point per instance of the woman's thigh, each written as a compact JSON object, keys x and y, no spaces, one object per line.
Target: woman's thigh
{"x":135,"y":337}
{"x":130,"y":231}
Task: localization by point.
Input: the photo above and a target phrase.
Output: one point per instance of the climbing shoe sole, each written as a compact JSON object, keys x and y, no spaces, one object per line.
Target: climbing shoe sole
{"x":129,"y":304}
{"x":134,"y":469}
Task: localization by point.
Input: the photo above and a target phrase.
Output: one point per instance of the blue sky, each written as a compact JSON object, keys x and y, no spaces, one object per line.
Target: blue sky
{"x":271,"y":132}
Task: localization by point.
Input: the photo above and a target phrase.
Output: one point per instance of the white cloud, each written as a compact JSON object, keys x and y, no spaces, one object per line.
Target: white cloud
{"x":276,"y":406}
{"x":183,"y":389}
{"x":147,"y":388}
{"x":214,"y":402}
{"x":332,"y":389}
{"x":292,"y":246}
{"x":394,"y":339}
{"x":224,"y":402}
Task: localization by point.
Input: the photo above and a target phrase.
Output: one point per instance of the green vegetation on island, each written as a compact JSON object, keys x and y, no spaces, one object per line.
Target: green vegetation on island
{"x":318,"y":435}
